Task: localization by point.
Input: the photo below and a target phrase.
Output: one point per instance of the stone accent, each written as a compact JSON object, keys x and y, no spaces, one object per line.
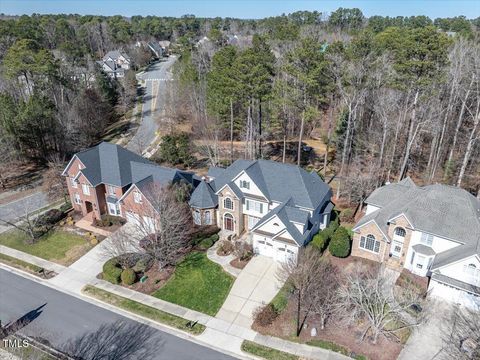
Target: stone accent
{"x":236,"y":212}
{"x":370,"y":228}
{"x":398,"y":263}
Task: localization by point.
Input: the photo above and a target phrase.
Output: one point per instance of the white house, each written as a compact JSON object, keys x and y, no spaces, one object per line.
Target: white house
{"x":279,"y":206}
{"x":432,"y":231}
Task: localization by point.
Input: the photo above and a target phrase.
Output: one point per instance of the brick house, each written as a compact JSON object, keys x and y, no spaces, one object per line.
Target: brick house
{"x":279,"y":207}
{"x":432,"y":231}
{"x":101,"y":178}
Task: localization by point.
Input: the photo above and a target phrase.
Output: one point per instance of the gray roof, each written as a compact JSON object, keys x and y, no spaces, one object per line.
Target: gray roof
{"x":445,"y":211}
{"x":215,"y":172}
{"x":456,"y":283}
{"x":109,"y":164}
{"x":203,"y":197}
{"x":423,"y":249}
{"x":288,"y":214}
{"x":114,"y":55}
{"x":278,"y":182}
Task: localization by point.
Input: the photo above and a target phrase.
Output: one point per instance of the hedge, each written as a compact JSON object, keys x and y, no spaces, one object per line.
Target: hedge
{"x":321,"y":240}
{"x":128,"y":276}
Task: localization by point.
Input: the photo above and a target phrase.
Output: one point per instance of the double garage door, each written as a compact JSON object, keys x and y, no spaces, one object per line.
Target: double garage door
{"x":145,"y":223}
{"x":454,"y":295}
{"x":267,"y":247}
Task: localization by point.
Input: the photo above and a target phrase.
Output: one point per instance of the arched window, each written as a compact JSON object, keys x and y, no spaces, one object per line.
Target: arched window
{"x":228,"y":223}
{"x":196,"y":217}
{"x":471,"y":269}
{"x":370,"y":243}
{"x":228,"y":203}
{"x":208,"y":217}
{"x":400,"y":232}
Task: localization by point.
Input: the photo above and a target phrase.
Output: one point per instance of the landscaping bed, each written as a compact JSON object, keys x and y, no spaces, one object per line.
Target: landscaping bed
{"x":62,"y":247}
{"x":266,"y":352}
{"x":143,"y":310}
{"x":336,"y":336}
{"x":198,"y":284}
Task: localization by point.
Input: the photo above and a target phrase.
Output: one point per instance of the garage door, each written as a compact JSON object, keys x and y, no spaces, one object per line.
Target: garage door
{"x":264,"y":246}
{"x":454,"y":295}
{"x":284,"y":253}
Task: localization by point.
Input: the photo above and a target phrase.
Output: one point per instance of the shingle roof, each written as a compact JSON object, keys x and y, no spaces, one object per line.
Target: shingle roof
{"x":109,"y":163}
{"x":456,"y":283}
{"x":203,"y":197}
{"x":446,"y":211}
{"x":279,"y":182}
{"x":115,"y":54}
{"x":423,"y":249}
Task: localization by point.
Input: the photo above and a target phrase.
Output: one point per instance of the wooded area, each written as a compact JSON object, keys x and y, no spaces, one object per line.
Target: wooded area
{"x":389,"y":97}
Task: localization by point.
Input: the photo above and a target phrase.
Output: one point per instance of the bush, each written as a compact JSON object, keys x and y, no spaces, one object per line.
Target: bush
{"x":143,"y":265}
{"x":346,"y":215}
{"x":208,"y":242}
{"x":225,"y":248}
{"x":66,"y":206}
{"x":266,"y":315}
{"x":109,"y":220}
{"x":202,"y":232}
{"x":112,"y":271}
{"x":340,"y":243}
{"x":51,"y":217}
{"x":128,"y":276}
{"x":321,"y":240}
{"x":243,"y":251}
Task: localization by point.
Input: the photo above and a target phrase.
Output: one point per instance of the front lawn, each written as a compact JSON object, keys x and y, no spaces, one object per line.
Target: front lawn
{"x":59,"y":246}
{"x":266,"y":352}
{"x":198,"y":284}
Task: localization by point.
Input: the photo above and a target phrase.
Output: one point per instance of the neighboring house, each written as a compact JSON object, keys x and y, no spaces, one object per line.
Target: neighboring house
{"x":156,"y":49}
{"x":279,"y":206}
{"x":114,"y":64}
{"x":431,"y":231}
{"x":165,"y":45}
{"x":109,"y":179}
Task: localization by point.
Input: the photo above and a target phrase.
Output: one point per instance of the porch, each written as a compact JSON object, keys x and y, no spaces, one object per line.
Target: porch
{"x":86,"y":223}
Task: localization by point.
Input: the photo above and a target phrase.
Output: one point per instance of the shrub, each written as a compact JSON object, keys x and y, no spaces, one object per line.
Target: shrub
{"x":321,"y":240}
{"x":243,"y":251}
{"x":346,"y":215}
{"x":143,"y":265}
{"x":109,"y":220}
{"x":266,"y":315}
{"x":340,"y":243}
{"x":128,"y":276}
{"x":202,"y":232}
{"x":66,"y":206}
{"x":51,"y":217}
{"x":225,"y":248}
{"x":112,"y":271}
{"x":208,"y":242}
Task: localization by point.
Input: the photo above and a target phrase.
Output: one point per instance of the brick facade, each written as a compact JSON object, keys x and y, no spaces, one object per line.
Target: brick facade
{"x":236,"y":212}
{"x":370,"y":228}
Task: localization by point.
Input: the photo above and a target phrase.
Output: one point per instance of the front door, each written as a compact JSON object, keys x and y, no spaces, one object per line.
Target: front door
{"x":228,"y":222}
{"x":396,"y":248}
{"x":89,"y":206}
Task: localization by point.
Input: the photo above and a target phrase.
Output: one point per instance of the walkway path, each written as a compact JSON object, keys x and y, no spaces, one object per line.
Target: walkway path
{"x":45,"y":264}
{"x":256,"y":286}
{"x":223,"y":261}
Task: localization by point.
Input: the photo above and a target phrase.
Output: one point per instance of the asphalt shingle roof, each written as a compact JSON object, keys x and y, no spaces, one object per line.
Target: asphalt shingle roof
{"x":279,"y":182}
{"x":203,"y":197}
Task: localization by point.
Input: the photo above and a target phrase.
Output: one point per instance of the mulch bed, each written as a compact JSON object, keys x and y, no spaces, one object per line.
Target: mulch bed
{"x":350,"y":262}
{"x":348,"y":337}
{"x":239,"y":264}
{"x":156,"y":279}
{"x":407,"y":278}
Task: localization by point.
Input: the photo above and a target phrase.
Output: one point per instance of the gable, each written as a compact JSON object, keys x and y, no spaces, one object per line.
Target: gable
{"x":73,"y":167}
{"x":253,"y":188}
{"x":370,"y":227}
{"x":272,"y":226}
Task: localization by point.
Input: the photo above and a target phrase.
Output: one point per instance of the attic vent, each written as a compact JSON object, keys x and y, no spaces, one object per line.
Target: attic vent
{"x":276,"y":224}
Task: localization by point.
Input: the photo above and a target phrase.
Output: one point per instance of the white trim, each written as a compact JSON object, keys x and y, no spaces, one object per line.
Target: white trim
{"x":457,"y":261}
{"x":368,"y":222}
{"x":374,"y":239}
{"x":223,"y":221}
{"x":64,"y":173}
{"x":226,"y":185}
{"x":223,"y":203}
{"x":402,"y":214}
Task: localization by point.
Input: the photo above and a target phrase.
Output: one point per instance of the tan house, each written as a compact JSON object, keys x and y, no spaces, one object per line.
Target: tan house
{"x":279,"y":207}
{"x":432,"y":231}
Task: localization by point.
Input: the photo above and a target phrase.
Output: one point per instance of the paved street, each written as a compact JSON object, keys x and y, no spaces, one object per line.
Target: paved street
{"x":156,"y":78}
{"x":70,"y":323}
{"x":15,"y":209}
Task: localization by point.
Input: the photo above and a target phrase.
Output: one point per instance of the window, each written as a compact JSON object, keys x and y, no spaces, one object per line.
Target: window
{"x":228,"y":203}
{"x":400,"y":232}
{"x":244,"y":184}
{"x":420,"y":261}
{"x":111,"y":190}
{"x":86,"y":189}
{"x":413,"y":257}
{"x":77,"y":199}
{"x":471,"y":269}
{"x":254,"y":205}
{"x":427,"y":239}
{"x":79,"y":166}
{"x":137,"y":197}
{"x":370,"y":243}
{"x":196,"y":217}
{"x":73,"y":182}
{"x":208,"y":217}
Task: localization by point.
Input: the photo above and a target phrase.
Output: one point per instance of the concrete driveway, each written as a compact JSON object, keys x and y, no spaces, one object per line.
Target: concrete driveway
{"x":256,"y":286}
{"x":427,"y":341}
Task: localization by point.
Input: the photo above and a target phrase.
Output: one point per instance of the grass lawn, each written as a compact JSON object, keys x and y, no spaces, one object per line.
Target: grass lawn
{"x":198,"y":284}
{"x":19,"y":263}
{"x":142,"y":310}
{"x":59,"y":246}
{"x":266,"y":352}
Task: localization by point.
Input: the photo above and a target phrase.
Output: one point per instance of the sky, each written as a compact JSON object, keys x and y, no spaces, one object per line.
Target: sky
{"x":247,"y":9}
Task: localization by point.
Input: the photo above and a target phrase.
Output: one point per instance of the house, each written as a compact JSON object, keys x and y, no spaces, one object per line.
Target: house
{"x":279,"y":207}
{"x":114,"y":63}
{"x":165,"y":45}
{"x":109,"y":179}
{"x":432,"y":231}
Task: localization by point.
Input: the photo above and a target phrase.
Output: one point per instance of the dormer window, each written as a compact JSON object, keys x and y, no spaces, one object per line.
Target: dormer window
{"x":73,"y":182}
{"x":244,"y":184}
{"x":426,"y":239}
{"x":137,"y":197}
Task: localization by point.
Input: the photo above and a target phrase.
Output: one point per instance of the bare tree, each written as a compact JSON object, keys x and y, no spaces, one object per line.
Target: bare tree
{"x":304,"y":276}
{"x":28,"y":222}
{"x":54,"y":184}
{"x":161,"y":228}
{"x":368,"y":296}
{"x":462,"y":338}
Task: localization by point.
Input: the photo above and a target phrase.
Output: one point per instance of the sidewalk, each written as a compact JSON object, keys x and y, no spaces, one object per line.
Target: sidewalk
{"x":219,"y":334}
{"x":223,"y":261}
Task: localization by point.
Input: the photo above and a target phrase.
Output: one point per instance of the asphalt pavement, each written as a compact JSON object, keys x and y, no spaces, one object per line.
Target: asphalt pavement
{"x":17,"y":208}
{"x":85,"y":330}
{"x":156,"y":77}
